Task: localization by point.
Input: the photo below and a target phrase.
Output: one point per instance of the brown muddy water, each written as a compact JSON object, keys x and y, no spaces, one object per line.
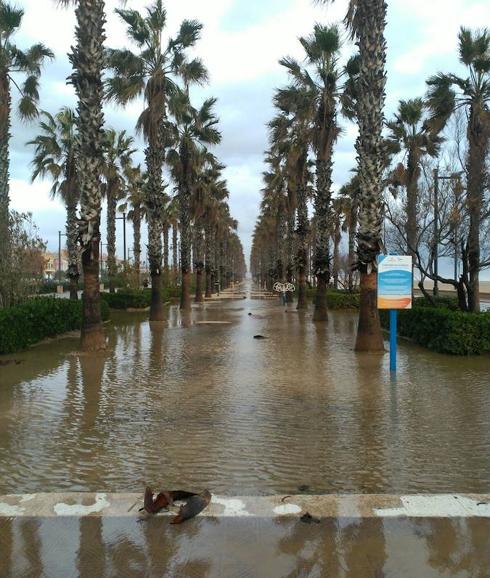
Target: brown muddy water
{"x":208,"y":405}
{"x":238,"y":548}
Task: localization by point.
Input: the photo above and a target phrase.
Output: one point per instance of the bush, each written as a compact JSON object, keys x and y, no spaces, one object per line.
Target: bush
{"x":444,"y":330}
{"x":342,"y":300}
{"x":137,"y":298}
{"x":128,"y":299}
{"x":38,"y":318}
{"x":336,"y":298}
{"x":445,"y":302}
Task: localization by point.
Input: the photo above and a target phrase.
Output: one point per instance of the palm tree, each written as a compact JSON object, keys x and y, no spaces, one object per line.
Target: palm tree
{"x":336,"y":228}
{"x":291,"y":133}
{"x":323,"y":82}
{"x":367,"y":20}
{"x":55,"y":157}
{"x":350,"y":200}
{"x":173,"y":221}
{"x":87,"y":60}
{"x":410,"y":132}
{"x":118,"y":151}
{"x":448,"y":93}
{"x":135,"y":208}
{"x":152,"y":72}
{"x":193,"y":130}
{"x":14,"y":61}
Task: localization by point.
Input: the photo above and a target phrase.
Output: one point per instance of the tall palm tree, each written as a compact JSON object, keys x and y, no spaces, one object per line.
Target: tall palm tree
{"x":448,"y":93}
{"x":350,"y":200}
{"x":409,"y":132}
{"x":367,"y":20}
{"x":153,"y":72}
{"x":323,"y":81}
{"x":291,"y":131}
{"x":56,"y":149}
{"x":14,"y":62}
{"x":87,"y":59}
{"x":337,"y":225}
{"x":135,"y":208}
{"x":193,"y":130}
{"x":118,"y":151}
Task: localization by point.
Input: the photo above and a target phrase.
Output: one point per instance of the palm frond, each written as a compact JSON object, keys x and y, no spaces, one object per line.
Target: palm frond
{"x":10,"y":19}
{"x":137,"y":28}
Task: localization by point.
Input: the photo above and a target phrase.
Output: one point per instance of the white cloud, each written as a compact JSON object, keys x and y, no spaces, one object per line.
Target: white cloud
{"x":439,"y":23}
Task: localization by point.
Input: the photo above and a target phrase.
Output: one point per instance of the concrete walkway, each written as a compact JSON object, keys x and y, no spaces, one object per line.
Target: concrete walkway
{"x":322,"y":506}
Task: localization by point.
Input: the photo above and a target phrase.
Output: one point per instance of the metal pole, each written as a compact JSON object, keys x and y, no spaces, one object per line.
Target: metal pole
{"x":124,"y":237}
{"x":59,"y":256}
{"x":393,"y":344}
{"x":436,"y":232}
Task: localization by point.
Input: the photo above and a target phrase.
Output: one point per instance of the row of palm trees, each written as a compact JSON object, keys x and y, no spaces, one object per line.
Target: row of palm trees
{"x":302,"y":139}
{"x":88,"y":162}
{"x":300,"y":159}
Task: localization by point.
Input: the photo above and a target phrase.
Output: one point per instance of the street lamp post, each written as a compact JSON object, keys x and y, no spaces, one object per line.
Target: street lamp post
{"x":437,"y":178}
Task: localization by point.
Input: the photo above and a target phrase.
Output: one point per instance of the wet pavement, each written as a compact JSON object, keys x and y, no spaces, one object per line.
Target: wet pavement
{"x":242,"y":548}
{"x":206,"y":405}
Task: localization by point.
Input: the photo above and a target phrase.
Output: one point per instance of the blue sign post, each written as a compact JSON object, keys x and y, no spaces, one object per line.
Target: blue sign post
{"x":395,"y":284}
{"x":393,"y":332}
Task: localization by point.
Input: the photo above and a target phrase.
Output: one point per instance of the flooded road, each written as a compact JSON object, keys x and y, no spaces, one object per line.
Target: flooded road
{"x":208,"y":405}
{"x":103,"y":548}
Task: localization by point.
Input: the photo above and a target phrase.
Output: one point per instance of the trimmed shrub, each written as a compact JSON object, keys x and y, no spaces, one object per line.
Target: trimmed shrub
{"x":37,"y":319}
{"x":128,"y":299}
{"x":441,"y":301}
{"x":137,"y":298}
{"x":444,"y":330}
{"x":342,"y":300}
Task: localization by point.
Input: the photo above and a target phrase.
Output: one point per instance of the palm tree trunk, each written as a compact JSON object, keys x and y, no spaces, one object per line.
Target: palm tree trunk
{"x":372,"y":80}
{"x":88,"y":61}
{"x":185,"y":232}
{"x":154,"y":161}
{"x":207,"y":257}
{"x":71,"y":243}
{"x":111,"y":234}
{"x":5,"y":241}
{"x":413,"y":174}
{"x":322,"y":252}
{"x":199,"y":264}
{"x":290,"y":254}
{"x":352,"y":240}
{"x":478,"y":137}
{"x":166,"y":228}
{"x":336,"y":255}
{"x":302,"y":233}
{"x":175,"y":253}
{"x":137,"y":243}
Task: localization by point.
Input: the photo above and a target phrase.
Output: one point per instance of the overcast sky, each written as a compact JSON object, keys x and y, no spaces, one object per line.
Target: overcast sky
{"x":241,"y":44}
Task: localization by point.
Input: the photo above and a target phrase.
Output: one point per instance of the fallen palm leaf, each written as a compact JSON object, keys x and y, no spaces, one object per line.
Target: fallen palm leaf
{"x":163,"y":499}
{"x":194,"y":506}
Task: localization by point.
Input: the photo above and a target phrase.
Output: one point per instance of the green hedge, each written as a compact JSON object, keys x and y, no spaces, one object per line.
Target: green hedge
{"x":336,"y":298}
{"x":342,"y":300}
{"x":444,"y":330}
{"x":129,"y":298}
{"x":38,"y":318}
{"x":137,"y":298}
